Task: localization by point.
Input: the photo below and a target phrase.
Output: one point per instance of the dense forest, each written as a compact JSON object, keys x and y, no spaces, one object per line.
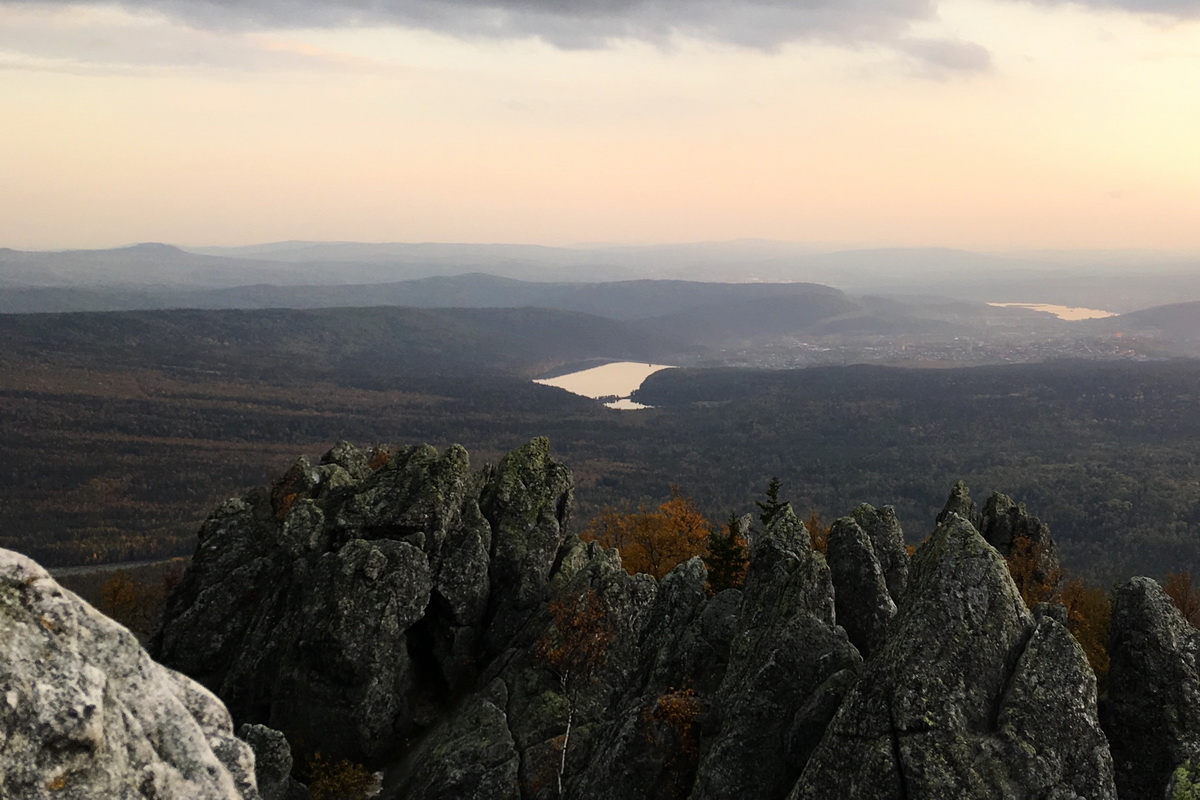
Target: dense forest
{"x":116,"y":451}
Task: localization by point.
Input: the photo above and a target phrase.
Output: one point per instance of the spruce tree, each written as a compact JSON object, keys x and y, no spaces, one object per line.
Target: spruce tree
{"x":772,"y":505}
{"x":726,"y":557}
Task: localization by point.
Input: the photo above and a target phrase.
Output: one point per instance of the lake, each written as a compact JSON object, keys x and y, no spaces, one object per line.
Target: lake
{"x":1062,"y":312}
{"x":618,"y":379}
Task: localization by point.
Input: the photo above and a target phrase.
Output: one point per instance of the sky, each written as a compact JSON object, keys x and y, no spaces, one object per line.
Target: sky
{"x":992,"y":125}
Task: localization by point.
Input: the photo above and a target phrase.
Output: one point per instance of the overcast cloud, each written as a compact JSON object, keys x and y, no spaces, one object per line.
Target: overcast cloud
{"x":587,"y":24}
{"x":571,"y":23}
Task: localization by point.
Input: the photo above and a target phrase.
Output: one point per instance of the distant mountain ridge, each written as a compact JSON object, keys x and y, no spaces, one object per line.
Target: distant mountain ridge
{"x":1115,"y":281}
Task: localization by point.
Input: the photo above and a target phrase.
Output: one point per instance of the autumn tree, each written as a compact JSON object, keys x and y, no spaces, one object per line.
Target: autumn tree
{"x":656,"y":540}
{"x":673,"y":727}
{"x":574,"y":647}
{"x":1089,"y":609}
{"x":818,"y":531}
{"x":1036,"y":581}
{"x":726,"y":556}
{"x":1185,"y":595}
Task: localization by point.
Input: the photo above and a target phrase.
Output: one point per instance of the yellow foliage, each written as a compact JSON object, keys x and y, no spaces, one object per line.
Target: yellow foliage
{"x":653,"y":541}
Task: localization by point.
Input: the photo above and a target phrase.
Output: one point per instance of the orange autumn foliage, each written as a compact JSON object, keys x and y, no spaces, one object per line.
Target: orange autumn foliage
{"x":1025,"y":564}
{"x":653,"y":541}
{"x":1089,"y":609}
{"x":818,"y":531}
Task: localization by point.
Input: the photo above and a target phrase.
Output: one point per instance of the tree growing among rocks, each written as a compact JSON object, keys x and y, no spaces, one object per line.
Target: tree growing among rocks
{"x":574,"y":647}
{"x":653,"y":541}
{"x":726,"y":557}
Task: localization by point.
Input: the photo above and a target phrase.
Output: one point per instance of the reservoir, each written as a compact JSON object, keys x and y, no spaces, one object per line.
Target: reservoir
{"x":618,"y":379}
{"x":1062,"y":312}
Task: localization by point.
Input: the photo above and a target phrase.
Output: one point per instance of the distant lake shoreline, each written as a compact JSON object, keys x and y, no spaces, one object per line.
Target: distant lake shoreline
{"x":617,"y":379}
{"x":1071,"y":313}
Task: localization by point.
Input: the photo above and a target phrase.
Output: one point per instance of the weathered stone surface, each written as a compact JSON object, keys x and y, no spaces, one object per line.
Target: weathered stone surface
{"x":528,"y":502}
{"x":864,"y":604}
{"x":348,"y":604}
{"x":959,"y":502}
{"x":470,"y":757}
{"x":86,"y":714}
{"x":787,"y":647}
{"x":967,"y":696}
{"x":403,"y":614}
{"x":272,"y":763}
{"x":1004,"y":524}
{"x":887,"y":541}
{"x":1152,"y":716}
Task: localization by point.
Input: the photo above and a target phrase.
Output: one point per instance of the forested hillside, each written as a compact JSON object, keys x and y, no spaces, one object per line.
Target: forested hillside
{"x":119,"y":438}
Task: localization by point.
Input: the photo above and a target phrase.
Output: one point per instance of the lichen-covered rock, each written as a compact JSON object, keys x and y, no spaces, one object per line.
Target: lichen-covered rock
{"x":272,"y":763}
{"x":470,"y":757}
{"x":887,"y":542}
{"x":1007,"y":525}
{"x":86,"y":714}
{"x":787,"y":647}
{"x":959,"y":503}
{"x":967,"y":696}
{"x":350,"y":603}
{"x":528,"y":502}
{"x":1152,"y":716}
{"x":864,"y":604}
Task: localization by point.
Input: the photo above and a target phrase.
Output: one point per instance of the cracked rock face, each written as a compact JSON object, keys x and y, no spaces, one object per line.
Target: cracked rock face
{"x":86,"y":714}
{"x":787,"y":650}
{"x":349,"y":603}
{"x":864,"y":604}
{"x":968,"y":695}
{"x":1153,"y":712}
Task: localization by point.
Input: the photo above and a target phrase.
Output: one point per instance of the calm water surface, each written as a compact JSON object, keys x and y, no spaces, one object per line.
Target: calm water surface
{"x":1062,"y":312}
{"x":617,"y":379}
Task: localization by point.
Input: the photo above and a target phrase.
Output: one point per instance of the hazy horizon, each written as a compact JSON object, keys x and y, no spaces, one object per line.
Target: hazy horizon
{"x":985,"y":125}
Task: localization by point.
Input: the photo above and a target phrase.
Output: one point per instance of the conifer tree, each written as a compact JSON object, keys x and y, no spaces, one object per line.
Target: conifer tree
{"x":726,"y":557}
{"x":772,"y":505}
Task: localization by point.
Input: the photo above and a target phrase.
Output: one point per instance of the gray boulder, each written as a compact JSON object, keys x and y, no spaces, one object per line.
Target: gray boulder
{"x":887,"y":542}
{"x":85,"y":713}
{"x":968,"y":695}
{"x":1152,"y":716}
{"x":272,"y":763}
{"x":862,"y":600}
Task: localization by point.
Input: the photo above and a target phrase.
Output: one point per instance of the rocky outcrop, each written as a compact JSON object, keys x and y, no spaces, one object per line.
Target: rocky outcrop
{"x":1152,"y":716}
{"x":968,"y":695}
{"x":349,"y":603}
{"x":86,"y":714}
{"x":443,"y":626}
{"x":864,"y":604}
{"x":1009,"y":527}
{"x":887,"y":542}
{"x":786,"y":652}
